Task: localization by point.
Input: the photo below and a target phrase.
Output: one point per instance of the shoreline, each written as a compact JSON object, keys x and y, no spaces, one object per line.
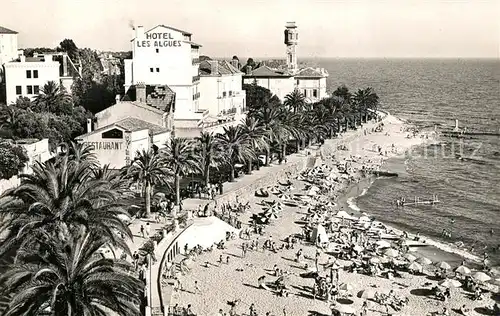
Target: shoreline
{"x":436,"y":250}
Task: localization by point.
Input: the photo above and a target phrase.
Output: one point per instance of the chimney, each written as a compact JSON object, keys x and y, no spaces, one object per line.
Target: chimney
{"x":140,"y":92}
{"x":65,"y":65}
{"x":214,"y":67}
{"x":117,"y":98}
{"x":139,"y":31}
{"x":89,"y":125}
{"x":234,"y":63}
{"x":249,"y":70}
{"x":22,"y":58}
{"x":47,"y":58}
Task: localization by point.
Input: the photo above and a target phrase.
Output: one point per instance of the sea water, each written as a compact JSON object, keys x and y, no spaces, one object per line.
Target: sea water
{"x":432,"y":93}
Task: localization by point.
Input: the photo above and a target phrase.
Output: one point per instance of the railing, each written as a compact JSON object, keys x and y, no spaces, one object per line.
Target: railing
{"x":189,"y":223}
{"x":196,"y":61}
{"x":196,"y":79}
{"x":230,"y":111}
{"x":196,"y":96}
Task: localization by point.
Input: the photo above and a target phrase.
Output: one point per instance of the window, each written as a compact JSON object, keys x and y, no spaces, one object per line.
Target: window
{"x":114,"y":133}
{"x":35,"y":73}
{"x":157,"y":50}
{"x":28,"y":74}
{"x":315,"y":93}
{"x":36,"y":89}
{"x":151,"y":69}
{"x":291,"y":58}
{"x":19,"y":90}
{"x":230,"y":93}
{"x":29,"y":89}
{"x":157,"y":69}
{"x":304,"y":92}
{"x":224,"y":94}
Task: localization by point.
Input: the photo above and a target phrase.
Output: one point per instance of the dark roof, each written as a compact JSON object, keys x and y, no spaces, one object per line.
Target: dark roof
{"x":193,"y":44}
{"x":131,"y":124}
{"x":169,"y":27}
{"x":223,"y":68}
{"x":265,"y":71}
{"x":4,"y":30}
{"x":310,"y":72}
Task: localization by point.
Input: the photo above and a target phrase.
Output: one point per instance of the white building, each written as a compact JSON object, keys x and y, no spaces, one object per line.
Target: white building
{"x":221,"y":84}
{"x":128,"y":126}
{"x":37,"y":151}
{"x":165,"y":55}
{"x":26,"y":76}
{"x":311,"y":82}
{"x":8,"y":45}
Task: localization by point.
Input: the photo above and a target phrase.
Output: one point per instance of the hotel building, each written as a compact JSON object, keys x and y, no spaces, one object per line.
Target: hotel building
{"x":311,"y":82}
{"x":203,"y":100}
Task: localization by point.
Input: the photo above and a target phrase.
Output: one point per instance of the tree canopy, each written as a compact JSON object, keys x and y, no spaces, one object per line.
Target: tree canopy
{"x":13,"y":159}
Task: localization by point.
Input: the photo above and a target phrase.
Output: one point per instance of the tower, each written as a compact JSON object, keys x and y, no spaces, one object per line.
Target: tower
{"x":291,"y":41}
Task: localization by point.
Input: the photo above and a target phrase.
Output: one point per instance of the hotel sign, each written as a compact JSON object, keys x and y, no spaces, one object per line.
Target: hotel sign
{"x":105,"y":145}
{"x":159,"y":40}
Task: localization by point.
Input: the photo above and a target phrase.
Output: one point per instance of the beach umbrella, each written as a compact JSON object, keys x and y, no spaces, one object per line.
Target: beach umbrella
{"x":344,"y":309}
{"x":443,"y":265}
{"x":424,"y":261}
{"x":481,"y":276}
{"x":345,"y":287}
{"x":415,"y":267}
{"x":462,"y":270}
{"x":410,"y":257}
{"x":391,"y":252}
{"x":383,"y":244}
{"x":375,"y":260}
{"x":364,"y":219}
{"x":367,"y":294}
{"x":272,"y":215}
{"x":450,"y":283}
{"x":358,"y":248}
{"x":345,"y":215}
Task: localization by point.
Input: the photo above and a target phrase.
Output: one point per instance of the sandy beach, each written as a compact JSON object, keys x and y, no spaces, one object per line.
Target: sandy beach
{"x":236,"y":277}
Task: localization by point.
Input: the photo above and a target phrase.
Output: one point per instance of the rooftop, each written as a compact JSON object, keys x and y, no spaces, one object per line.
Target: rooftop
{"x":310,"y":72}
{"x":266,"y":71}
{"x":131,"y":124}
{"x":222,"y":67}
{"x":4,"y":30}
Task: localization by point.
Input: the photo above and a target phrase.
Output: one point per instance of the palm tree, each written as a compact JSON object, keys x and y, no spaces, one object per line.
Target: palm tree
{"x":236,"y":145}
{"x":57,"y":200}
{"x":148,"y":169}
{"x":256,"y":137}
{"x":52,"y":98}
{"x":295,"y":101}
{"x":180,"y":158}
{"x":209,"y":154}
{"x":366,"y":100}
{"x":70,"y":278}
{"x":270,"y":117}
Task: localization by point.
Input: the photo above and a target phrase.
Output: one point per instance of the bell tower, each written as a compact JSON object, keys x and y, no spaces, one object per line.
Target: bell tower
{"x":291,"y":41}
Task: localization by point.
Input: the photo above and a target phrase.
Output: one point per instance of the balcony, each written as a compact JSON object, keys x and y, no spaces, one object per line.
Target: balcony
{"x":196,"y":61}
{"x":196,"y":79}
{"x":196,"y":96}
{"x":228,"y":112}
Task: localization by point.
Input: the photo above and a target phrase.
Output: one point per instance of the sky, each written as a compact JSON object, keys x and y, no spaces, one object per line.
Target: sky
{"x":254,"y":28}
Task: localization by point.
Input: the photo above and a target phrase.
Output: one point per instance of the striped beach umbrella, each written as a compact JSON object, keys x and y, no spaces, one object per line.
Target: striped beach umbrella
{"x":391,"y":252}
{"x":462,"y":270}
{"x":450,"y":283}
{"x":414,"y":266}
{"x":410,"y":257}
{"x":481,"y":276}
{"x":367,"y":294}
{"x":443,"y":265}
{"x":424,"y":261}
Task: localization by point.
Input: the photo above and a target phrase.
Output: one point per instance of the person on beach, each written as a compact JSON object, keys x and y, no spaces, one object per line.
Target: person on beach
{"x":148,"y":229}
{"x":142,"y":231}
